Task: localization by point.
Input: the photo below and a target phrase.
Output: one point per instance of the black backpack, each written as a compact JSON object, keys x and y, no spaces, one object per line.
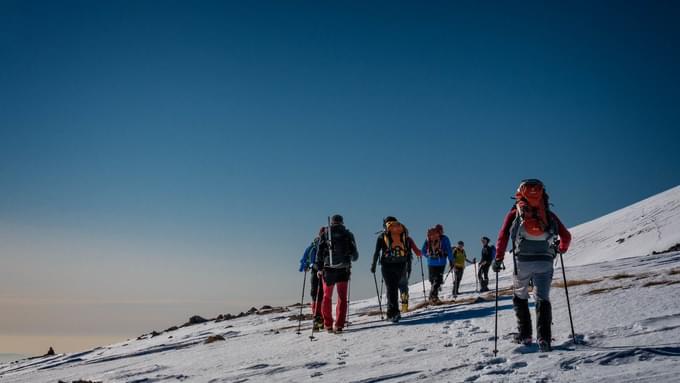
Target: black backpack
{"x":344,"y":247}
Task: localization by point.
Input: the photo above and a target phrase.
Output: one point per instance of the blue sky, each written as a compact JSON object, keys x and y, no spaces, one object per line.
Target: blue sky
{"x":183,"y":155}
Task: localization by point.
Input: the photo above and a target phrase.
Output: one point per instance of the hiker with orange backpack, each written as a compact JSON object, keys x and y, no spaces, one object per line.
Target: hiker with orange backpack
{"x":437,"y":250}
{"x":537,"y":236}
{"x":337,"y":251}
{"x":393,"y":249}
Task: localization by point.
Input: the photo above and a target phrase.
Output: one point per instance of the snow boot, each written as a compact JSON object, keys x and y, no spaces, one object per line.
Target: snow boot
{"x":544,"y":345}
{"x":404,"y":302}
{"x":485,"y":286}
{"x":396,"y":318}
{"x":544,"y":322}
{"x":330,"y":330}
{"x":338,"y":331}
{"x":521,"y":307}
{"x":523,"y":341}
{"x":318,"y":324}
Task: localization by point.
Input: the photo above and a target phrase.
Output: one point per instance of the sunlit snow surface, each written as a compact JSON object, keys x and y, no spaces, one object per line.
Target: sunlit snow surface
{"x":625,"y":305}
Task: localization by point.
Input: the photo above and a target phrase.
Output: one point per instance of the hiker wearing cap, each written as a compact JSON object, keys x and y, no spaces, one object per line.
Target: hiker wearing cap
{"x":337,"y":251}
{"x":393,"y":250}
{"x":487,"y":257}
{"x":537,"y":235}
{"x":437,"y":250}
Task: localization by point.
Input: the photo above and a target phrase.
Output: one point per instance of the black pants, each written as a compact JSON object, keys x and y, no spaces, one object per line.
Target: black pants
{"x":483,"y":274}
{"x":317,"y":288}
{"x":436,"y":275}
{"x":392,"y":274}
{"x":457,"y":278}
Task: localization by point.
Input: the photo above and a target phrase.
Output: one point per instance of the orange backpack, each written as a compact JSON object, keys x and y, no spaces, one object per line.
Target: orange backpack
{"x":434,"y":244}
{"x":532,"y":208}
{"x":395,"y":238}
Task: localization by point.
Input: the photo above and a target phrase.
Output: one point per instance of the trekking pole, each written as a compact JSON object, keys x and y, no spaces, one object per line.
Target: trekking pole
{"x":316,"y":305}
{"x":302,"y":301}
{"x":566,"y":292}
{"x":422,"y":275}
{"x":495,"y":333}
{"x":495,"y":336}
{"x":476,"y":277}
{"x":349,"y":286}
{"x":379,"y":296}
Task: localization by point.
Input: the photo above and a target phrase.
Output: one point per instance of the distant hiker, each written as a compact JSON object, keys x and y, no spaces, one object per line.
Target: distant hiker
{"x":488,"y":255}
{"x":307,"y":262}
{"x":458,"y":266}
{"x":437,"y":250}
{"x":537,"y":235}
{"x":337,"y":251}
{"x":393,"y":250}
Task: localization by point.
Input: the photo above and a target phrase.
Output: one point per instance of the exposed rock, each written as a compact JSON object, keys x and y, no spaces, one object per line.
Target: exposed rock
{"x":213,"y":339}
{"x":50,"y":352}
{"x":194,"y":320}
{"x":173,"y":328}
{"x":252,"y":310}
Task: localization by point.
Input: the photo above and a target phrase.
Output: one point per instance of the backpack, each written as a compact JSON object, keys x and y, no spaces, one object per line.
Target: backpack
{"x":343,"y":244}
{"x":396,"y":240}
{"x":434,"y":243}
{"x":534,"y":230}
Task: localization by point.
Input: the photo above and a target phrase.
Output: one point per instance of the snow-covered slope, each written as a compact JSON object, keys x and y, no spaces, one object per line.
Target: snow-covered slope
{"x":626,"y":312}
{"x":651,"y":225}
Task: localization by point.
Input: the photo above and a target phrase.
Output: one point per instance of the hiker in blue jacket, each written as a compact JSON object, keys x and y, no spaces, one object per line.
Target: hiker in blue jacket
{"x":437,"y":250}
{"x":307,"y":262}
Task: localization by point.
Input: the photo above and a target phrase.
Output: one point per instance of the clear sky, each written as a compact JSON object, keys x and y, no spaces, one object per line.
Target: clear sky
{"x":163,"y":159}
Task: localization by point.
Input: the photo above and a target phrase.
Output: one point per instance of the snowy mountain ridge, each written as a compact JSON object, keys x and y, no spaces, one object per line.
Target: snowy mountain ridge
{"x":626,"y":313}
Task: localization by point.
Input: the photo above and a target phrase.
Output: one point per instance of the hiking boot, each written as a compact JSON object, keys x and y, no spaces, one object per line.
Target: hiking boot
{"x":318,"y":324}
{"x":395,"y":319}
{"x":544,"y":345}
{"x":544,"y":319}
{"x":521,"y":307}
{"x":338,"y":330}
{"x":523,"y":341}
{"x":404,"y":302}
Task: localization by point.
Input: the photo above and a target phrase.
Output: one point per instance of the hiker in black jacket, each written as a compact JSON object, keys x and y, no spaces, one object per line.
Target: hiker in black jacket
{"x":488,"y":255}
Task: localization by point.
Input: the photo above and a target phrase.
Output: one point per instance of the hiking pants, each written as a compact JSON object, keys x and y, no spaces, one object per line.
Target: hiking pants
{"x":333,"y":278}
{"x":392,"y":274}
{"x":457,"y":278}
{"x":317,"y":287}
{"x":483,"y":273}
{"x":403,"y":283}
{"x":436,"y":276}
{"x":541,"y":273}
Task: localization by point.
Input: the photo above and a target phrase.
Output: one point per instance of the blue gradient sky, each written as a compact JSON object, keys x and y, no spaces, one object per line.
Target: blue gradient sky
{"x":163,"y":158}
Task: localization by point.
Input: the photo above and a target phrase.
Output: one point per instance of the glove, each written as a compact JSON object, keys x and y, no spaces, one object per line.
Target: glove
{"x":319,"y":274}
{"x":562,"y":248}
{"x":497,"y":266}
{"x":373,"y":269}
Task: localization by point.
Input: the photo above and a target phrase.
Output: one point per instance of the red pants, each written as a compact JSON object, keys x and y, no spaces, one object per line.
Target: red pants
{"x":340,"y":307}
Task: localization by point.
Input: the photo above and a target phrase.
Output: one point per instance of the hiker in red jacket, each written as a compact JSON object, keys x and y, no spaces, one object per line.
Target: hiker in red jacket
{"x":537,"y":235}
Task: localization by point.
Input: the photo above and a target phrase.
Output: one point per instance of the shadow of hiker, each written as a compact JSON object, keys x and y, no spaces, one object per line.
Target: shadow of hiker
{"x":442,"y":314}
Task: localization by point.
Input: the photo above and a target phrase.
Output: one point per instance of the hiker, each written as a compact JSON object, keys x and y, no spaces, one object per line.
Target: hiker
{"x":393,"y":249}
{"x":403,"y":282}
{"x":307,"y":262}
{"x":537,"y":234}
{"x":337,"y":251}
{"x":458,"y":266}
{"x":437,"y":250}
{"x":488,"y":255}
